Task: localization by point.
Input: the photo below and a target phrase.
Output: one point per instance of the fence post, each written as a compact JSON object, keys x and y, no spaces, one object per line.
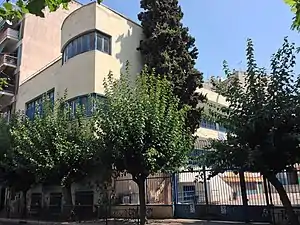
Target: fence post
{"x":205,"y":186}
{"x":244,"y":195}
{"x":174,"y":193}
{"x":267,"y":199}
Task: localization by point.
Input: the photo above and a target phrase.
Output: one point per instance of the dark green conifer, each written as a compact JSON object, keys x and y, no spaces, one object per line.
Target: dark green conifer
{"x":170,"y":50}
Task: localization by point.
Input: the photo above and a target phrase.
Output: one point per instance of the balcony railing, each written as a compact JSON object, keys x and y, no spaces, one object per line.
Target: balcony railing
{"x":8,"y":89}
{"x":9,"y":34}
{"x":8,"y":60}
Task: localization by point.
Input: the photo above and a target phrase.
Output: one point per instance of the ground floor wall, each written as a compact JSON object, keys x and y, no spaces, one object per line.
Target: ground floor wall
{"x":91,"y":198}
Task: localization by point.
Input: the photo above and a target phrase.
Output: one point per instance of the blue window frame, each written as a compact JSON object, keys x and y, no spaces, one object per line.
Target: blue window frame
{"x":35,"y":106}
{"x":212,"y":125}
{"x":86,"y":102}
{"x":87,"y":42}
{"x":208,"y":124}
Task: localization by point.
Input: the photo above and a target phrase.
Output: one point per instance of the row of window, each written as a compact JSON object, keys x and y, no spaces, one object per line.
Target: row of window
{"x":87,"y":42}
{"x":36,"y":106}
{"x":212,"y":125}
{"x":87,"y":103}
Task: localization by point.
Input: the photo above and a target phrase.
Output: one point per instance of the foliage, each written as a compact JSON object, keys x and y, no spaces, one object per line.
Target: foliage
{"x":170,"y":50}
{"x":262,"y":120}
{"x":3,"y":82}
{"x":55,"y":147}
{"x":142,"y":128}
{"x":18,"y":171}
{"x":295,"y":8}
{"x":16,"y":9}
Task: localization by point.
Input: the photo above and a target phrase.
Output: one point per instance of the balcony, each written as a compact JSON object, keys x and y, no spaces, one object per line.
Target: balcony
{"x":9,"y":39}
{"x":8,"y":62}
{"x":6,"y":98}
{"x":6,"y":112}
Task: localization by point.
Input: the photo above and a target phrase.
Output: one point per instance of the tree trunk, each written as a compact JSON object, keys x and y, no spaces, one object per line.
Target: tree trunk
{"x":284,"y":199}
{"x":67,"y":195}
{"x":142,"y":198}
{"x":24,"y":211}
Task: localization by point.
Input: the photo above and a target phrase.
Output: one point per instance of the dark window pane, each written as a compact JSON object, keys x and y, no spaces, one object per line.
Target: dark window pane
{"x":65,"y":55}
{"x":85,"y":43}
{"x":106,"y":45}
{"x":74,"y":46}
{"x":92,"y":41}
{"x":70,"y":51}
{"x":79,"y":45}
{"x":99,"y":42}
{"x":30,"y":110}
{"x":84,"y":104}
{"x":39,"y":106}
{"x":88,"y":42}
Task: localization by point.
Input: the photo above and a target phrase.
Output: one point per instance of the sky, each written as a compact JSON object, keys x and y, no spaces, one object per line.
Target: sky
{"x":221,"y":29}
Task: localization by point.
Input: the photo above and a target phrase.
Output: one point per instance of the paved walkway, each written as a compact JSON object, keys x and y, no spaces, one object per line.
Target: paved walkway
{"x":4,"y":221}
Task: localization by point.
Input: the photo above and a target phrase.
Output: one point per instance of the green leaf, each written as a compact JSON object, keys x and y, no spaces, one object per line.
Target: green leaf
{"x":8,"y":6}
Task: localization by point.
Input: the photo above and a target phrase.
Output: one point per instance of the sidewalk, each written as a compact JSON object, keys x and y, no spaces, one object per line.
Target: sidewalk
{"x":4,"y":221}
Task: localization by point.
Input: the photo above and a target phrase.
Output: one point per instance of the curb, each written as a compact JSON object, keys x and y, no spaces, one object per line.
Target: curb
{"x":4,"y":221}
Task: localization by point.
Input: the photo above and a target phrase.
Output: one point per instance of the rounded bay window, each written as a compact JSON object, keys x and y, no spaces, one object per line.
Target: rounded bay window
{"x":94,"y":40}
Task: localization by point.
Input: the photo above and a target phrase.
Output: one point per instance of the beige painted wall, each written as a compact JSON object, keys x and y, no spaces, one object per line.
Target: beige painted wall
{"x":125,"y":38}
{"x":41,"y":40}
{"x":37,"y":85}
{"x":213,"y":96}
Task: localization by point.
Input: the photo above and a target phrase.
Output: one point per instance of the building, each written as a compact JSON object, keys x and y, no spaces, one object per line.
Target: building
{"x":90,"y":49}
{"x":75,"y":55}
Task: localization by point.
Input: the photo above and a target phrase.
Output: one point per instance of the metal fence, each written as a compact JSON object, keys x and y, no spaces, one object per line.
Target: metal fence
{"x":158,"y":189}
{"x":226,"y":188}
{"x":192,"y":193}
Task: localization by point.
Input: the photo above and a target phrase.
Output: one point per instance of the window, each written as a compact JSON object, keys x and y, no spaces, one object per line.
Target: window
{"x":189,"y":193}
{"x":222,"y":129}
{"x":87,"y":103}
{"x":103,"y":43}
{"x":36,"y":202}
{"x":36,"y":106}
{"x":208,"y":124}
{"x":87,"y":42}
{"x":212,"y":125}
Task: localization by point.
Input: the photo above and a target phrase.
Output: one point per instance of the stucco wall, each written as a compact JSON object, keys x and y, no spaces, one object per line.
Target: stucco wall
{"x":213,"y":96}
{"x":38,"y":84}
{"x":126,"y":36}
{"x":41,"y":41}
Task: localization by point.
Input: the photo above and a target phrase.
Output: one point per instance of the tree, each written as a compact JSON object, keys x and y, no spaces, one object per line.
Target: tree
{"x":16,"y":9}
{"x":142,"y":129}
{"x":262,"y":121}
{"x":295,"y":7}
{"x":56,"y":147}
{"x":18,"y":171}
{"x":170,"y":50}
{"x":65,"y":142}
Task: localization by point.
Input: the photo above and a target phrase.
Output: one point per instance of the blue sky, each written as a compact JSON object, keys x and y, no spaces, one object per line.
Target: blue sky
{"x":221,"y":28}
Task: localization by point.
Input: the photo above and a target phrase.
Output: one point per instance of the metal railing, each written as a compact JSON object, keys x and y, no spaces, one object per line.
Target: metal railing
{"x":8,"y":60}
{"x":9,"y":33}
